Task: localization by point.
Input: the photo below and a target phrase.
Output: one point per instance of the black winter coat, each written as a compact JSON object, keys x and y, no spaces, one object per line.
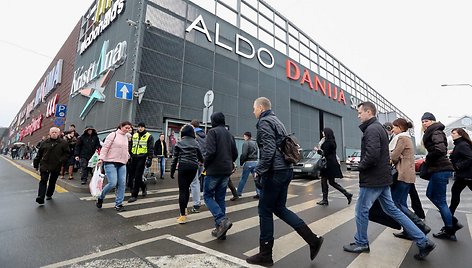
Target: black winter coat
{"x":333,"y":170}
{"x":435,"y":142}
{"x":220,"y":147}
{"x":186,"y":153}
{"x":249,"y":152}
{"x":158,"y":148}
{"x":461,"y":158}
{"x":270,"y":133}
{"x":374,"y":167}
{"x":87,"y":145}
{"x":52,"y":154}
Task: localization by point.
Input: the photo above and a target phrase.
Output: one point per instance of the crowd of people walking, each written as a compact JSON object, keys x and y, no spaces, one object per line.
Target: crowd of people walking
{"x":386,"y":172}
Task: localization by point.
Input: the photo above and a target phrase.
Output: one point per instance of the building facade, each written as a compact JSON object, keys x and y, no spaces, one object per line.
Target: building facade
{"x":155,"y":61}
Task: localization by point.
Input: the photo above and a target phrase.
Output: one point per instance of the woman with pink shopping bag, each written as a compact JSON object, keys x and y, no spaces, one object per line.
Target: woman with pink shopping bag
{"x":113,"y":156}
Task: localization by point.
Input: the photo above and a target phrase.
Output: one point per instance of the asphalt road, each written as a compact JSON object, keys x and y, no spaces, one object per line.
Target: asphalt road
{"x":69,"y":231}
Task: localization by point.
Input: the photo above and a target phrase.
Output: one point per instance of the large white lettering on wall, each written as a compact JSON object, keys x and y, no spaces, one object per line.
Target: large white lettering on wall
{"x":50,"y":82}
{"x":199,"y":25}
{"x":97,"y":20}
{"x":108,"y":59}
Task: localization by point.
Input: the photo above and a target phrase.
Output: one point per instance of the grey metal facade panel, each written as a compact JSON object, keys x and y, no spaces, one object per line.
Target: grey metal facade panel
{"x":199,"y":55}
{"x":161,"y":65}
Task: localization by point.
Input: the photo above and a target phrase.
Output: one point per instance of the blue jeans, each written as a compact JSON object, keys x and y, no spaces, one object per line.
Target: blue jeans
{"x":214,"y":192}
{"x":436,"y":192}
{"x":400,"y":195}
{"x":195,"y":188}
{"x":273,"y":200}
{"x":162,"y":164}
{"x":367,"y":196}
{"x":248,"y":167}
{"x":116,"y":176}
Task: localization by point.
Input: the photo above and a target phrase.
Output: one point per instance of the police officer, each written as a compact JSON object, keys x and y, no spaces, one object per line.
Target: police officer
{"x":141,"y":156}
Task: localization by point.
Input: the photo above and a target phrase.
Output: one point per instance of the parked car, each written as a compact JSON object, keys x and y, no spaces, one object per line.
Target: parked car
{"x":419,"y":160}
{"x":308,"y":165}
{"x":352,"y":162}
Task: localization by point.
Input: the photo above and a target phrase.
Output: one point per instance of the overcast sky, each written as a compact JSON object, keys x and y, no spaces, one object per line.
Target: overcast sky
{"x":404,"y":49}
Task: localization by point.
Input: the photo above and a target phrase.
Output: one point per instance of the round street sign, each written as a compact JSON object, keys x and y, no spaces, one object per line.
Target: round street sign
{"x":208,"y":99}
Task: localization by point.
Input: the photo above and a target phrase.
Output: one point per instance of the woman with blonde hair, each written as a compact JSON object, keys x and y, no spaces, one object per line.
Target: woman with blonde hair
{"x":402,"y":155}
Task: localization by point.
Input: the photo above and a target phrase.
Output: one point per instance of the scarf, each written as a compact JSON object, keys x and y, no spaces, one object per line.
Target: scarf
{"x":393,"y":142}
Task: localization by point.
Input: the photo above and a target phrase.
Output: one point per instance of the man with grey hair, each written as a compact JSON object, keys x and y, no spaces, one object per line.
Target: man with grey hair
{"x":52,"y":153}
{"x":273,"y":175}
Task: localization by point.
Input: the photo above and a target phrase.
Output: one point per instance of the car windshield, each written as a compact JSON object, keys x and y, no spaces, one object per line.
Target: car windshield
{"x":356,"y":154}
{"x":309,"y":154}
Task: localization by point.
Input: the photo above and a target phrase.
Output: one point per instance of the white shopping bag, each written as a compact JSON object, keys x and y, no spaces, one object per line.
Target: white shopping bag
{"x":93,"y":160}
{"x":96,"y":184}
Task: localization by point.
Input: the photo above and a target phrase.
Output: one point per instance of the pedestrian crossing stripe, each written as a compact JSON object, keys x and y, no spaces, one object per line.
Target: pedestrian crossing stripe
{"x":108,"y":196}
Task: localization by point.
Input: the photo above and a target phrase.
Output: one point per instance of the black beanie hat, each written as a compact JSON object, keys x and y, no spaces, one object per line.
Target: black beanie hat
{"x":428,"y":116}
{"x":187,"y":131}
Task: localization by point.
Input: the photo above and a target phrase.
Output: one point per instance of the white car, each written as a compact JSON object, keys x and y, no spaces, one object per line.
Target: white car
{"x":352,"y":162}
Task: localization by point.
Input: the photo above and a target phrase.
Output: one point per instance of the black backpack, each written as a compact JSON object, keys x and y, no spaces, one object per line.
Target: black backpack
{"x":290,"y":149}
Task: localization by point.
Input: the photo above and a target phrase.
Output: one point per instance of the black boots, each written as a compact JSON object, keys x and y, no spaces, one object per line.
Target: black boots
{"x":264,"y":257}
{"x":418,"y":222}
{"x":313,"y":240}
{"x":349,"y":197}
{"x":323,"y":202}
{"x":456,"y":224}
{"x":447,"y":233}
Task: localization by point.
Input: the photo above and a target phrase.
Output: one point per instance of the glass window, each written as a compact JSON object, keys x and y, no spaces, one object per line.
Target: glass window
{"x":208,"y":5}
{"x":330,"y":68}
{"x":279,"y":21}
{"x":252,"y":3}
{"x":322,"y":63}
{"x":336,"y":81}
{"x":322,"y":53}
{"x":226,"y":14}
{"x":304,"y":39}
{"x":292,"y":53}
{"x":293,"y":41}
{"x":165,"y":22}
{"x":266,"y":37}
{"x":231,"y":3}
{"x":266,"y":24}
{"x":304,"y":50}
{"x":266,"y":11}
{"x":342,"y":68}
{"x":330,"y":77}
{"x":292,"y":30}
{"x":249,"y":27}
{"x":313,"y":56}
{"x":336,"y":72}
{"x":280,"y":33}
{"x":249,"y":12}
{"x":323,"y":72}
{"x":314,"y":66}
{"x":178,"y":7}
{"x":280,"y":46}
{"x":343,"y":85}
{"x":313,"y":46}
{"x":335,"y":63}
{"x":305,"y":61}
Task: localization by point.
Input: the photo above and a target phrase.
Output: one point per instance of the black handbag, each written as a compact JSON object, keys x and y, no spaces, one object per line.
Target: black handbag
{"x":376,"y":214}
{"x":323,"y":163}
{"x":424,"y":173}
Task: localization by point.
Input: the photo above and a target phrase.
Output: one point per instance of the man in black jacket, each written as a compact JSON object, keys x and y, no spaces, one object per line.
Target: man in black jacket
{"x":273,"y":175}
{"x":374,"y":183}
{"x":248,"y":160}
{"x":86,"y":146}
{"x":221,"y":152}
{"x":141,"y":156}
{"x":52,"y":153}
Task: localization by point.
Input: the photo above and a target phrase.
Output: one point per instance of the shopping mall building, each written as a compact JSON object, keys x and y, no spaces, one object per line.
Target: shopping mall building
{"x":155,"y":61}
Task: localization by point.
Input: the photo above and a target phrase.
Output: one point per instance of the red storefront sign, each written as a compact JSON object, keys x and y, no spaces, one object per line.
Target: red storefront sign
{"x":35,"y":125}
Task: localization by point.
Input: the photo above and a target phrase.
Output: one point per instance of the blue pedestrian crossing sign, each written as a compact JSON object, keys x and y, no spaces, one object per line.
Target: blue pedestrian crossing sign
{"x":124,"y":90}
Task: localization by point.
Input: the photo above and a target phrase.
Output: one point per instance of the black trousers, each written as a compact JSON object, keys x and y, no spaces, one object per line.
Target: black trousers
{"x":456,"y":190}
{"x":136,"y":174}
{"x":185,"y":178}
{"x":84,"y":169}
{"x":416,"y":202}
{"x":43,"y":183}
{"x":332,"y":182}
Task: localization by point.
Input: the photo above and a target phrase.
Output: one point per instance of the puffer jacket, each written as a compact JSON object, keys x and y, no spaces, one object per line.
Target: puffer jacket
{"x":461,"y":158}
{"x":186,"y":153}
{"x":374,"y":167}
{"x":270,"y":134}
{"x":435,"y":142}
{"x":52,"y":154}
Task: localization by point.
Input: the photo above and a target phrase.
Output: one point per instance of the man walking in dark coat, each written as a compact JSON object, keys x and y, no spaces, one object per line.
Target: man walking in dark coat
{"x":86,"y":146}
{"x":273,"y":175}
{"x":374,"y":182}
{"x":221,"y":152}
{"x":52,"y":153}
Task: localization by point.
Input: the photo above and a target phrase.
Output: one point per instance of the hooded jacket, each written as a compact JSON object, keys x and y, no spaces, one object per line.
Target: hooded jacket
{"x":435,"y":142}
{"x":374,"y":167}
{"x":220,"y":147}
{"x":270,"y":133}
{"x":461,"y":158}
{"x":87,"y":144}
{"x":52,"y":154}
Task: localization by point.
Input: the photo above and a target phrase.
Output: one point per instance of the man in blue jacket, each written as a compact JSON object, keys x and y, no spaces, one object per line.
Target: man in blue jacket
{"x":374,"y":182}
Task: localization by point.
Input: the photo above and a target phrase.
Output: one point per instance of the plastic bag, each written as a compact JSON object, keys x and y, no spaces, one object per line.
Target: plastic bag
{"x":93,"y":160}
{"x":96,"y":184}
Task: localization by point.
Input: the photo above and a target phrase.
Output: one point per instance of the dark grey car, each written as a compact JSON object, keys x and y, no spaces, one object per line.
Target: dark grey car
{"x":308,"y":166}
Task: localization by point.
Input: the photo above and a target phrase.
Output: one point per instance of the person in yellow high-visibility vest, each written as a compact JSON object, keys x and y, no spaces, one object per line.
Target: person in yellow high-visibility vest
{"x":141,"y":156}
